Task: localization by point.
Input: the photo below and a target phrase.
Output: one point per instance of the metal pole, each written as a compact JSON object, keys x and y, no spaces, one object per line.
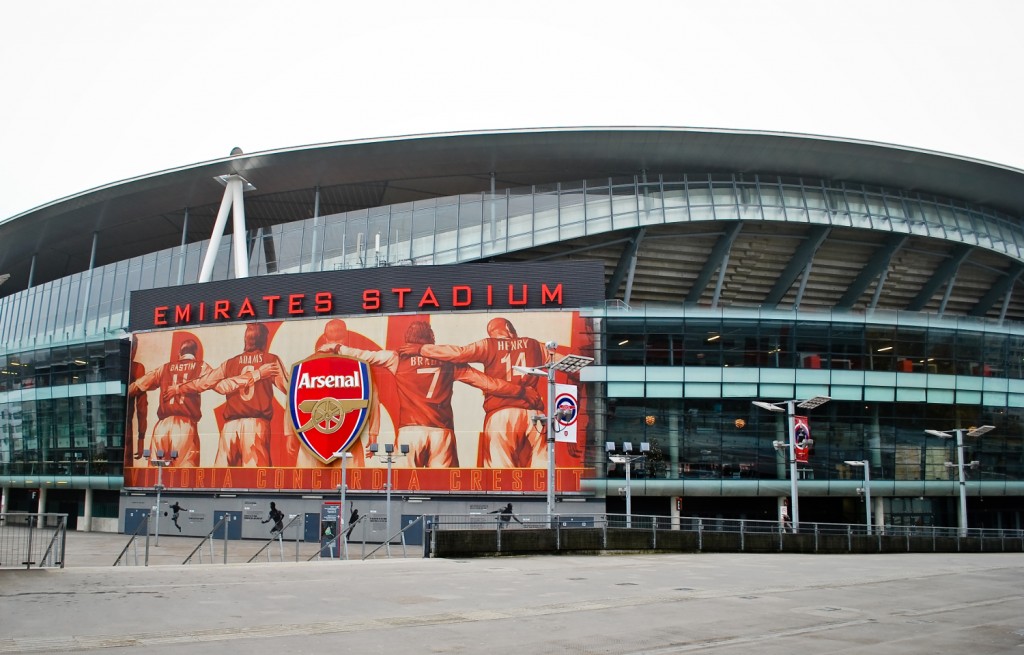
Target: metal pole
{"x":339,"y":538}
{"x":387,"y":522}
{"x":159,"y":487}
{"x":867,"y":491}
{"x":790,"y":412}
{"x":963,"y":483}
{"x":629,"y":494}
{"x":551,"y":438}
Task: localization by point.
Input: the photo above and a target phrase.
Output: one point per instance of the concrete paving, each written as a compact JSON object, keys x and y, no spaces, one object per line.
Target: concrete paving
{"x":612,"y":604}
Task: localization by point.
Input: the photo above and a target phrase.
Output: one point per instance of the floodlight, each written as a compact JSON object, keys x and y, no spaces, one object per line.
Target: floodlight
{"x":609,"y":446}
{"x":816,"y":401}
{"x":572,"y":363}
{"x":389,"y":448}
{"x":977,"y":432}
{"x":404,"y":448}
{"x":939,"y":433}
{"x":771,"y":407}
{"x":645,"y":447}
{"x":627,"y":446}
{"x":373,"y":448}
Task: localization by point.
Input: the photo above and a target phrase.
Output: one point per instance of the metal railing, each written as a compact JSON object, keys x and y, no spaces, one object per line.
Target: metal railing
{"x":610,"y":532}
{"x":28,"y":540}
{"x":278,"y":538}
{"x":208,"y":539}
{"x":133,"y":544}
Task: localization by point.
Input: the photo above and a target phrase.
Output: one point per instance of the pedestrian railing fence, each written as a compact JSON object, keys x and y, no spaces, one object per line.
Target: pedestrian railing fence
{"x":32,"y":540}
{"x":594,"y":532}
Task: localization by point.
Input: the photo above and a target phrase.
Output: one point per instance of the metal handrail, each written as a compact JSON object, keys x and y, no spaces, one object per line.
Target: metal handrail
{"x":62,"y":532}
{"x":387,"y":541}
{"x":279,"y":537}
{"x":209,"y":537}
{"x":704,"y":524}
{"x":131,"y":540}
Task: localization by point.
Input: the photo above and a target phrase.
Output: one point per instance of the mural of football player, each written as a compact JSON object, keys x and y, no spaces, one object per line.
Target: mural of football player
{"x":509,"y":438}
{"x":247,"y":383}
{"x":336,"y":332}
{"x":425,"y":386}
{"x":138,"y":407}
{"x":178,"y":414}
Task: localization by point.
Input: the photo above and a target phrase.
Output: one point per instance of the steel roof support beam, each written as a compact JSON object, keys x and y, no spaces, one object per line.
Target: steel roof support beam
{"x":717,"y":260}
{"x":943,"y":274}
{"x":626,"y":266}
{"x":232,"y":203}
{"x":800,"y":261}
{"x":878,"y":264}
{"x":1001,"y":289}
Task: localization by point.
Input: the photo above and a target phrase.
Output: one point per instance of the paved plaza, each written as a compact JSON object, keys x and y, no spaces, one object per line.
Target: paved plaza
{"x":610,"y":604}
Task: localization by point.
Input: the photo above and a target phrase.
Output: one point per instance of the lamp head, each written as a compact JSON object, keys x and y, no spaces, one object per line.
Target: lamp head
{"x":771,"y":407}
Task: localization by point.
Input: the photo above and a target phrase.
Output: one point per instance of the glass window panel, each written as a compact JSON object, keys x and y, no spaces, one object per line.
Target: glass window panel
{"x":378,"y":222}
{"x":700,"y":194}
{"x":470,"y":227}
{"x":400,"y":240}
{"x":881,"y":348}
{"x":446,"y":224}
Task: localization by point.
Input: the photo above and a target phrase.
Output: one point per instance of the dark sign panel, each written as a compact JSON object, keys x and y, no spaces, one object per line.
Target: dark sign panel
{"x":376,"y":291}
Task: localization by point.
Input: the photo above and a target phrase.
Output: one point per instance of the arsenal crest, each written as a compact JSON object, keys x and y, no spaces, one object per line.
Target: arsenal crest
{"x":329,"y":401}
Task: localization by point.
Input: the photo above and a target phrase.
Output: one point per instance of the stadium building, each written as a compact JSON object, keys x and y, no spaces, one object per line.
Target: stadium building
{"x":172,"y":330}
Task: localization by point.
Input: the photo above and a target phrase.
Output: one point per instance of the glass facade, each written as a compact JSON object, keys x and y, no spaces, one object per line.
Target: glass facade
{"x":471,"y":227}
{"x":62,"y":410}
{"x":730,"y":439}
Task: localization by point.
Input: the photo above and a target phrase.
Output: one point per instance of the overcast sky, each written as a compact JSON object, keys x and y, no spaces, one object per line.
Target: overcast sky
{"x":100,"y":91}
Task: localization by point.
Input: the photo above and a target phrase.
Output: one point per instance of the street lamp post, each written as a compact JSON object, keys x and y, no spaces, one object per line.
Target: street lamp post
{"x":867,"y":486}
{"x":958,"y":433}
{"x":568,"y":364}
{"x":342,"y":488}
{"x":790,"y":411}
{"x":159,"y":463}
{"x":627,"y":458}
{"x":389,"y":448}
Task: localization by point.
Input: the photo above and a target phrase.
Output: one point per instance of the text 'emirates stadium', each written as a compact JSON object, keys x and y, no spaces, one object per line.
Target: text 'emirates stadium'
{"x":741,"y":310}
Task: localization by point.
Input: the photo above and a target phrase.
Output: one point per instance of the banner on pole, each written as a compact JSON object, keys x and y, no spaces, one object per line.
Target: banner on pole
{"x":567,"y":406}
{"x":801,"y":439}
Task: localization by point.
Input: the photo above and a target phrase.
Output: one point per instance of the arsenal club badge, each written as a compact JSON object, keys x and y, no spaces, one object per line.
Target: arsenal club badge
{"x":329,"y":402}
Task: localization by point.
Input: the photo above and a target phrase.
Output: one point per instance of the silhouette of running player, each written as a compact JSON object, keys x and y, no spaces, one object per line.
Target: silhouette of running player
{"x":177,"y":509}
{"x":277,"y":516}
{"x":505,"y":515}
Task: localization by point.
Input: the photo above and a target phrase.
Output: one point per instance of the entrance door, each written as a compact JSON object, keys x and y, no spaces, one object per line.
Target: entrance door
{"x":414,"y":535}
{"x":133,"y":518}
{"x":71,"y":509}
{"x":234,"y":524}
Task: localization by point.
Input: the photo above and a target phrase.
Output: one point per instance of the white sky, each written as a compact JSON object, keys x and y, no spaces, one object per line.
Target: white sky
{"x":99,"y":91}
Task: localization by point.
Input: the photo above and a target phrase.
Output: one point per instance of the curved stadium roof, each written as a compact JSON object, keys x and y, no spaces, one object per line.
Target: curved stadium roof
{"x":144,"y":214}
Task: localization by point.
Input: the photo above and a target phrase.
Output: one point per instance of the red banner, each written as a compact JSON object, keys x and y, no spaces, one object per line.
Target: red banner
{"x":801,"y":439}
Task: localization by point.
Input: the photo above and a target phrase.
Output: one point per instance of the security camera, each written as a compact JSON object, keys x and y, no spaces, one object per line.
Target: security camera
{"x":551,"y":345}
